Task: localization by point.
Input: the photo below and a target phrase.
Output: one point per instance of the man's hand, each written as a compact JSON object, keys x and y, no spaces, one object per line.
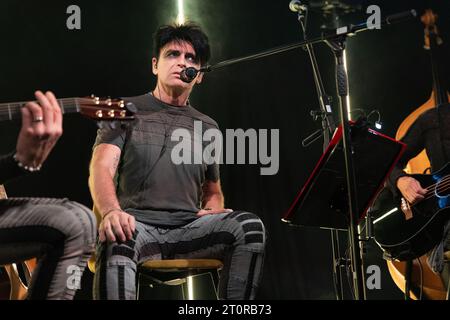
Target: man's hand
{"x":411,"y":189}
{"x":117,"y":226}
{"x":41,"y":128}
{"x":213,"y":211}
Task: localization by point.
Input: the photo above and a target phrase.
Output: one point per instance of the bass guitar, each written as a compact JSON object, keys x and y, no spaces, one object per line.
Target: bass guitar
{"x":406,"y":231}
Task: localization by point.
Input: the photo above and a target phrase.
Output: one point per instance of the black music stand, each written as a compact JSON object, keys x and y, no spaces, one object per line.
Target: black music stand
{"x":323,"y":200}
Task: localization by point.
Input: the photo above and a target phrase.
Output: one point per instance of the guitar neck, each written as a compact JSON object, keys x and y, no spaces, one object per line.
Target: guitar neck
{"x":440,"y":92}
{"x":11,"y":110}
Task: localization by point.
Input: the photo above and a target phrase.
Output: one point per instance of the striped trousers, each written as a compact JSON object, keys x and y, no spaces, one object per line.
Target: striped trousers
{"x":59,"y":232}
{"x":237,"y":238}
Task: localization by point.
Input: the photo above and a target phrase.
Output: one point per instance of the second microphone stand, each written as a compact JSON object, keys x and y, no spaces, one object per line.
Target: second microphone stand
{"x":328,"y":128}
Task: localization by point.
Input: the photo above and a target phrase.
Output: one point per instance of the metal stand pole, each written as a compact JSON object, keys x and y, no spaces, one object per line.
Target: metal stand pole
{"x":338,"y":47}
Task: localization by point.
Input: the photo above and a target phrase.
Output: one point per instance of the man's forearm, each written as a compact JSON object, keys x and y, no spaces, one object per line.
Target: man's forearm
{"x":396,"y":174}
{"x":103,"y":190}
{"x":213,"y":201}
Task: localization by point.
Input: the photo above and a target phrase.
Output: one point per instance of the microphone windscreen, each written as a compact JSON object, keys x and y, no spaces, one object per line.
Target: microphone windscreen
{"x":191,"y":73}
{"x":188,"y":74}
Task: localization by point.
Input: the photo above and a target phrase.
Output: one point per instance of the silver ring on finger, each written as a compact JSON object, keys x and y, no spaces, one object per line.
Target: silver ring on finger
{"x":38,"y":119}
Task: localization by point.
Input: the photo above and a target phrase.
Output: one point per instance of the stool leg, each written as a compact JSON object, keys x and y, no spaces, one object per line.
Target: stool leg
{"x":190,"y":288}
{"x":215,"y":279}
{"x":192,"y":292}
{"x":138,"y":286}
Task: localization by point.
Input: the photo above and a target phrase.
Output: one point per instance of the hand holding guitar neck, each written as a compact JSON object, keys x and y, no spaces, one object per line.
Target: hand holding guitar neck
{"x":41,"y":129}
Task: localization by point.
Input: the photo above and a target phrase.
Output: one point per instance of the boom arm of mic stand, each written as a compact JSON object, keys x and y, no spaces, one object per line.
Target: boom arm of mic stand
{"x":323,"y":38}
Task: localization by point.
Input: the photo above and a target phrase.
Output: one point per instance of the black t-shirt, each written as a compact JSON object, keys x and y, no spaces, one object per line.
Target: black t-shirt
{"x":9,"y":168}
{"x":150,"y":185}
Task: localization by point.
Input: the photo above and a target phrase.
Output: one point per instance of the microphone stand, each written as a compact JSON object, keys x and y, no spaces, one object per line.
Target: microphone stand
{"x":336,"y":40}
{"x":328,"y":128}
{"x":337,"y":45}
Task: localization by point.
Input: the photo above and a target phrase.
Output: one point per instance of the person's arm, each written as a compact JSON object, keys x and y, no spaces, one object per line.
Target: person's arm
{"x":9,"y":168}
{"x":409,"y":187}
{"x":41,"y":129}
{"x":213,"y":199}
{"x":116,"y":224}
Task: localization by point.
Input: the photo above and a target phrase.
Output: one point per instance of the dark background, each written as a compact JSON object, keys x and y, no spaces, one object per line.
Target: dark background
{"x":111,"y":56}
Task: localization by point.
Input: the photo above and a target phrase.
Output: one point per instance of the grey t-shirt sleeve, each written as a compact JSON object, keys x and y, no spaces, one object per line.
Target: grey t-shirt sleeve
{"x":109,"y":135}
{"x":212,"y":172}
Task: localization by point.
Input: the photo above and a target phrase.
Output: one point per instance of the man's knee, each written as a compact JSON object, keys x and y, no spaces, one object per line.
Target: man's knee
{"x":71,"y":219}
{"x":77,"y":223}
{"x":250,"y":230}
{"x":116,"y":254}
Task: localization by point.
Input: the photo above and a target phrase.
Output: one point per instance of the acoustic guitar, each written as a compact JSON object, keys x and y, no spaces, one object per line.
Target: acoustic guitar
{"x":15,"y":278}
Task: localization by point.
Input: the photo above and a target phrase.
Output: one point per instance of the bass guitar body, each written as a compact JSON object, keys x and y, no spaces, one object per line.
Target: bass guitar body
{"x":405,"y":231}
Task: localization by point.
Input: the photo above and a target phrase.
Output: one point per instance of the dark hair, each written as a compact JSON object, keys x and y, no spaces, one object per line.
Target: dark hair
{"x":189,"y":32}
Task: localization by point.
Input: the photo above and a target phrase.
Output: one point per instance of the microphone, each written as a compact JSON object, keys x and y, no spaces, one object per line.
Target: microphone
{"x":354,"y":28}
{"x":297,"y":6}
{"x":400,"y":17}
{"x":189,"y":74}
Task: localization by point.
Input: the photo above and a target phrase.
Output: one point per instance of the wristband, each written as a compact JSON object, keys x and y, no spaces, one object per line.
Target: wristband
{"x":26,"y":168}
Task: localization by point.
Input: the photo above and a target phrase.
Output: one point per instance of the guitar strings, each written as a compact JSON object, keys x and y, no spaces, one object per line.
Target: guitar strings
{"x":67,"y":103}
{"x":443,"y":185}
{"x":443,"y":182}
{"x":21,"y":103}
{"x":69,"y":100}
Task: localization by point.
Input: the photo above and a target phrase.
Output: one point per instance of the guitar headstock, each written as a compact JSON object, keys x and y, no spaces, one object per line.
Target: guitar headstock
{"x":429,"y":19}
{"x":106,"y":109}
